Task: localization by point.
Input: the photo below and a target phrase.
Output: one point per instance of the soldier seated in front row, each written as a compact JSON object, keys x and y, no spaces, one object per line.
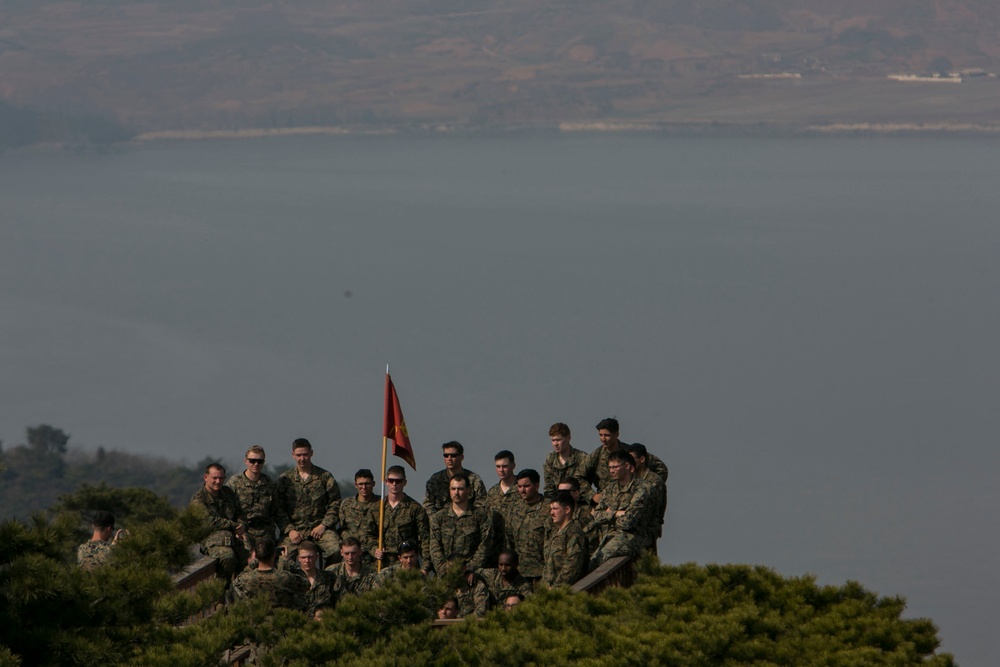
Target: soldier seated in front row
{"x":505,"y":578}
{"x":320,"y":595}
{"x":409,"y":559}
{"x":283,"y":587}
{"x":352,"y":575}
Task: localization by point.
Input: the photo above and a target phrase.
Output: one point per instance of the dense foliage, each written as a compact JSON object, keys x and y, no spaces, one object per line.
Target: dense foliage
{"x":129,"y":612}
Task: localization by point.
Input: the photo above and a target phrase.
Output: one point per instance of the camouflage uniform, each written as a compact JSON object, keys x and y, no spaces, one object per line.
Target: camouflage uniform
{"x":438,"y":495}
{"x":500,"y":589}
{"x":659,"y":509}
{"x":566,"y":556}
{"x":360,"y":519}
{"x":466,"y":539}
{"x":346,"y":584}
{"x":625,"y":535}
{"x":388,"y":574}
{"x":599,"y":475}
{"x":406,"y":522}
{"x":222,"y":511}
{"x":258,"y":502}
{"x":305,"y":504}
{"x":529,"y":526}
{"x":504,"y":506}
{"x":555,"y":472}
{"x":591,"y":531}
{"x":93,"y":553}
{"x":473,"y":599}
{"x":320,"y":594}
{"x":283,"y":587}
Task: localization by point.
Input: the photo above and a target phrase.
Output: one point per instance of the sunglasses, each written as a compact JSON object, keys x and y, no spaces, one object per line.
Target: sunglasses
{"x":394,"y":480}
{"x":451,"y":456}
{"x":255,"y":461}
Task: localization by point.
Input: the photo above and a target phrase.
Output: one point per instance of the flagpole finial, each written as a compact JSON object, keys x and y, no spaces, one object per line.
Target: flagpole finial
{"x":387,"y":369}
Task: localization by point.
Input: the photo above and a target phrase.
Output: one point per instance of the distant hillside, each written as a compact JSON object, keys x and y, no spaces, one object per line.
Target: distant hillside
{"x":226,"y":65}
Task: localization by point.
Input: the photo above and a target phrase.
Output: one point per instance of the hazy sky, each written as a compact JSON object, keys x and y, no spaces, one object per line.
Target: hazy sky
{"x":805,"y":330}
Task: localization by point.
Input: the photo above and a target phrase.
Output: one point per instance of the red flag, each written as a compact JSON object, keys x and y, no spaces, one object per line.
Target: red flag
{"x":394,"y":427}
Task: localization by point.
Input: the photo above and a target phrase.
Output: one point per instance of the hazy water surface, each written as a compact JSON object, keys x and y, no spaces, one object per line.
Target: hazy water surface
{"x":806,"y":330}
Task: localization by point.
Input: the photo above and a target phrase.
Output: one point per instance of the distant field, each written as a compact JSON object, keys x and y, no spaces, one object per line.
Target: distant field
{"x":218,"y":66}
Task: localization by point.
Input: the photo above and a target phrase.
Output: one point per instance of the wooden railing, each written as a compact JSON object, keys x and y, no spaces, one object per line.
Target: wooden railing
{"x":615,"y":572}
{"x":191,"y":577}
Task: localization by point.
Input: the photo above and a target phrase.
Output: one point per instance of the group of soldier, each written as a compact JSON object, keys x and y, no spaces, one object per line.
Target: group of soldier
{"x":307,"y":547}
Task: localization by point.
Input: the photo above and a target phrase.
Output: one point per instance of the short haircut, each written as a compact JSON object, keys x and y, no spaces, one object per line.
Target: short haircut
{"x":308,"y":545}
{"x":622,"y":457}
{"x":255,"y":449}
{"x":530,"y":474}
{"x":399,"y":470}
{"x":637,"y":450}
{"x":350,"y":542}
{"x":103,"y":519}
{"x":299,"y":443}
{"x":565,"y":498}
{"x":608,"y":424}
{"x":454,"y":444}
{"x":574,"y":483}
{"x":264,"y":548}
{"x":512,"y":554}
{"x":559,"y":429}
{"x":504,"y":454}
{"x":407,"y":547}
{"x":460,"y":477}
{"x":218,"y":466}
{"x":364,"y":473}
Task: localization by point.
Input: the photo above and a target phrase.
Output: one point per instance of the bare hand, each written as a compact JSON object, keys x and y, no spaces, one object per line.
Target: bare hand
{"x":378,"y":554}
{"x":295,"y":536}
{"x":318,"y":531}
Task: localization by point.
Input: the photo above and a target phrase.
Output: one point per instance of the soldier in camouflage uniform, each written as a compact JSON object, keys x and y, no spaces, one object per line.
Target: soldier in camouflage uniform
{"x":597,"y":462}
{"x":438,"y":496}
{"x":503,"y":499}
{"x":566,"y":554}
{"x":582,"y":516}
{"x":529,"y":525}
{"x":352,"y":575}
{"x":320,"y":595}
{"x":409,"y":559}
{"x":257,"y":495}
{"x":283,"y":587}
{"x":461,"y":535}
{"x":220,"y":506}
{"x":623,"y":513}
{"x":308,"y":504}
{"x":473,"y":598}
{"x":359,"y":515}
{"x":565,"y":462}
{"x":505,"y":579}
{"x":404,"y":520}
{"x":95,"y":552}
{"x":657,"y":485}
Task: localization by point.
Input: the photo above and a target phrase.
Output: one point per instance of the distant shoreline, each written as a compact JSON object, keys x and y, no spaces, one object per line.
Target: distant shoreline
{"x":693,"y":128}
